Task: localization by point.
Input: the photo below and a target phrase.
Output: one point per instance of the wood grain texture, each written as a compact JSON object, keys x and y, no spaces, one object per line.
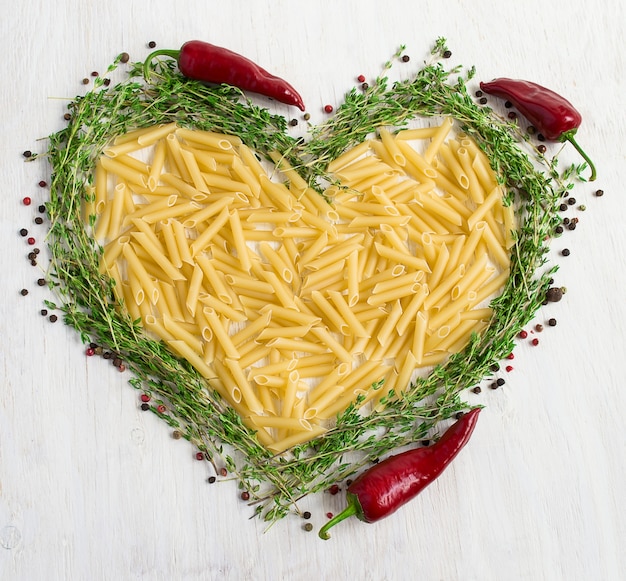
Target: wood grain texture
{"x":91,"y":488}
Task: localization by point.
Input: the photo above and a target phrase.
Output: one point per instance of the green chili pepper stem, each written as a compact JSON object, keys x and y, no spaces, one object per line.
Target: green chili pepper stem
{"x":349,"y":511}
{"x":569,"y":136}
{"x":162,"y":51}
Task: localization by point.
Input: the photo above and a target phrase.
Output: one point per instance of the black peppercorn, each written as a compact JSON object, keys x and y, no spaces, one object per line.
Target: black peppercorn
{"x":552,"y":322}
{"x":477,"y":389}
{"x":306,"y":514}
{"x":145,"y":407}
{"x":565,"y":252}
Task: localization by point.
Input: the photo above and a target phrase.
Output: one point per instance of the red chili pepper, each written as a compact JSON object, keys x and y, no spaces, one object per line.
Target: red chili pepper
{"x":206,"y":62}
{"x":385,"y":487}
{"x":551,"y":114}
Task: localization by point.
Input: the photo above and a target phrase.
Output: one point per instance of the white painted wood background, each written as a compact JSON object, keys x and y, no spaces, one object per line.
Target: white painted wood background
{"x":91,"y":488}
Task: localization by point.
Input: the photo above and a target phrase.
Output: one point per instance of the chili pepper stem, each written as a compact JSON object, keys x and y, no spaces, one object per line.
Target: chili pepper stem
{"x":159,"y":52}
{"x":569,"y":136}
{"x":347,"y":512}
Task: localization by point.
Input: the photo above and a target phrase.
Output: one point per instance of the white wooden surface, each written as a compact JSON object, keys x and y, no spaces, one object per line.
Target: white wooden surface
{"x":92,"y":488}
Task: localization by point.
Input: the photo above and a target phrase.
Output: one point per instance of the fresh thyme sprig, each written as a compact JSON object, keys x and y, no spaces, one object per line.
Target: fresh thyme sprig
{"x":276,"y":483}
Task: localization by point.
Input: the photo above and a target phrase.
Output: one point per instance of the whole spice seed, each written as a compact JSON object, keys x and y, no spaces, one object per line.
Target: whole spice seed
{"x":53,"y":318}
{"x":23,"y":232}
{"x":306,"y":514}
{"x":245,"y":495}
{"x":552,"y":322}
{"x":145,"y":407}
{"x":477,"y":389}
{"x":599,"y":193}
{"x":554,"y":294}
{"x":565,"y":252}
{"x":328,"y":108}
{"x":308,"y":527}
{"x":38,"y":220}
{"x":199,"y":456}
{"x":509,"y":368}
{"x":43,"y":312}
{"x":211,"y":479}
{"x":24,"y":292}
{"x":176,"y":435}
{"x":26,"y":201}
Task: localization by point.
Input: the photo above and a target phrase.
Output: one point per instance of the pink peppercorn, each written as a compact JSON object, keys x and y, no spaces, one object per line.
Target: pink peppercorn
{"x":31,"y":241}
{"x":90,"y":351}
{"x":535,"y":342}
{"x":523,"y":334}
{"x":145,"y":397}
{"x":361,"y":78}
{"x":510,"y":356}
{"x":26,"y":201}
{"x":509,"y":368}
{"x":161,"y":409}
{"x":199,"y":456}
{"x":328,"y":108}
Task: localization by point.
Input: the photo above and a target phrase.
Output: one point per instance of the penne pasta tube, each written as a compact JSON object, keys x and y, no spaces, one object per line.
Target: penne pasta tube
{"x":113,"y":166}
{"x":438,"y":138}
{"x":348,"y":157}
